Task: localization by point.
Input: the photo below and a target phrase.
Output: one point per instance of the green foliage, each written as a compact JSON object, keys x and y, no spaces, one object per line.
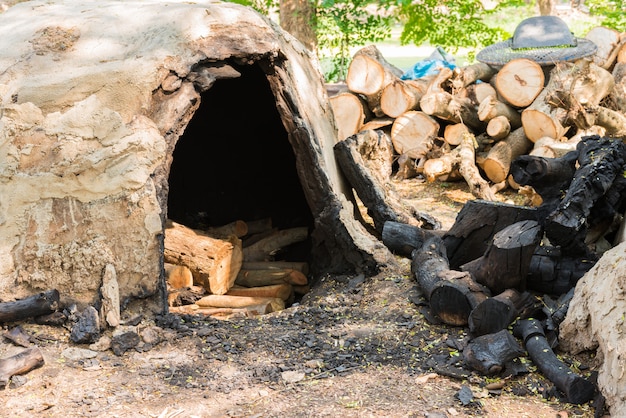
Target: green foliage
{"x":614,"y":13}
{"x":343,"y":24}
{"x":452,"y":24}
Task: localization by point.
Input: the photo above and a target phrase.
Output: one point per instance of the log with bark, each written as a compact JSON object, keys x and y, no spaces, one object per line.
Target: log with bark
{"x":36,"y":305}
{"x":506,"y":262}
{"x":498,"y":162}
{"x":498,"y":312}
{"x":266,"y":248}
{"x":413,"y":133}
{"x":262,"y":304}
{"x":369,"y":73}
{"x":577,"y":389}
{"x":403,"y":239}
{"x":455,"y":296}
{"x":400,"y":96}
{"x":213,"y":262}
{"x":267,"y":277}
{"x":20,"y":363}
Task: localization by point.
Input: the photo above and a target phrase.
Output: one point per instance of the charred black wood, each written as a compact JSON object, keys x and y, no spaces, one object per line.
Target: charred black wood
{"x":476,"y":224}
{"x":554,"y":274}
{"x":427,"y":262}
{"x":576,"y":388}
{"x":498,"y":312}
{"x":455,"y":295}
{"x":402,"y":239}
{"x":381,"y":202}
{"x":600,"y":160}
{"x":36,"y":305}
{"x":488,"y":354}
{"x":506,"y":262}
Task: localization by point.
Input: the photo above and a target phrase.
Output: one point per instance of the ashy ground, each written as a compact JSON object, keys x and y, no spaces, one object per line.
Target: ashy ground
{"x":353,"y":347}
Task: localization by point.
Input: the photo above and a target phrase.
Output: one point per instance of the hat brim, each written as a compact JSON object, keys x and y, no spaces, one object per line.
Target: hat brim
{"x":502,"y":52}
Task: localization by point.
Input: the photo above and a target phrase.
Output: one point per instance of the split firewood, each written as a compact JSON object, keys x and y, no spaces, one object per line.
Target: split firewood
{"x":20,"y":363}
{"x":369,"y":73}
{"x":438,"y":102}
{"x":470,"y":74}
{"x":377,"y":195}
{"x":282,"y":291}
{"x":267,"y":277}
{"x":36,"y":305}
{"x":301,"y":266}
{"x":213,"y":262}
{"x":178,"y":277}
{"x":499,"y":127}
{"x":506,"y":262}
{"x":468,"y":240}
{"x":455,"y":295}
{"x":488,"y":354}
{"x":492,"y":107}
{"x":601,"y":160}
{"x":413,"y":133}
{"x":608,"y":42}
{"x":266,"y":248}
{"x":577,"y":389}
{"x":226,"y":301}
{"x":498,"y":312}
{"x":400,"y":96}
{"x":498,"y":162}
{"x":350,"y":112}
{"x":519,"y":82}
{"x":237,"y":228}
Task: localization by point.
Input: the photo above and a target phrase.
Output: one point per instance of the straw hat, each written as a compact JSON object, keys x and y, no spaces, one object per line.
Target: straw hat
{"x":543,"y":39}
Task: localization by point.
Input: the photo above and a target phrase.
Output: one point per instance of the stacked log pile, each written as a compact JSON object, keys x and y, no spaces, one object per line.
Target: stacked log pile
{"x":230,"y":270}
{"x":557,"y":131}
{"x":472,"y":122}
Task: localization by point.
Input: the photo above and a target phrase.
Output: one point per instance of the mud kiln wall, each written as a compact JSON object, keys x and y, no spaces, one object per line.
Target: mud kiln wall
{"x":96,"y":98}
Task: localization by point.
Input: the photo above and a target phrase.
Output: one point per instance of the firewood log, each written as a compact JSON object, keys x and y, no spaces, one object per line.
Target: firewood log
{"x":378,"y":123}
{"x":498,"y":312}
{"x":577,"y":389}
{"x":476,"y":93}
{"x":492,"y":107}
{"x":498,"y":162}
{"x":266,"y":248}
{"x":470,"y":74}
{"x":427,"y":262}
{"x":21,"y":363}
{"x":258,"y":226}
{"x":213,"y":262}
{"x":400,"y":96}
{"x":40,"y":304}
{"x":552,"y":273}
{"x":301,"y":266}
{"x":499,"y":127}
{"x":350,"y":112}
{"x":407,"y":167}
{"x":403,"y":239}
{"x":413,"y":133}
{"x":227,"y":301}
{"x":455,"y":295}
{"x":468,"y":239}
{"x":237,"y":228}
{"x":282,"y":291}
{"x":552,"y":148}
{"x":378,"y":196}
{"x":488,"y":354}
{"x":369,"y":73}
{"x":506,"y":262}
{"x":453,"y":134}
{"x":613,"y":121}
{"x":267,"y":277}
{"x":601,"y":160}
{"x":178,"y":277}
{"x":519,"y":82}
{"x":618,"y":94}
{"x":608,"y":42}
{"x":222,"y":313}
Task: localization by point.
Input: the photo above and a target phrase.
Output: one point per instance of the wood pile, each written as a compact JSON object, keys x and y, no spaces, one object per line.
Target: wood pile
{"x":230,"y":270}
{"x":472,"y":122}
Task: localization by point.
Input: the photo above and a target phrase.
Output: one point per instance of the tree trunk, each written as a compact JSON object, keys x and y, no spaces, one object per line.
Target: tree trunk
{"x":36,"y":305}
{"x":298,"y":18}
{"x":282,"y":291}
{"x":213,"y":262}
{"x":470,"y":74}
{"x":506,"y":262}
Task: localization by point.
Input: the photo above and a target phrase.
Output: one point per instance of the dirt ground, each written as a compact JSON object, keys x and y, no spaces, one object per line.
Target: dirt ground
{"x":353,"y":347}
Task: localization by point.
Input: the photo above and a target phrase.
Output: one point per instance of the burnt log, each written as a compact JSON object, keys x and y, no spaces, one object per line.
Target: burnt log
{"x":553,"y":273}
{"x":40,"y":304}
{"x":476,"y":224}
{"x":488,"y":354}
{"x":377,"y":195}
{"x":576,"y":388}
{"x":497,"y":313}
{"x":20,"y":363}
{"x":427,"y":262}
{"x":601,"y":160}
{"x":455,"y":295}
{"x":505,"y":263}
{"x":403,"y":239}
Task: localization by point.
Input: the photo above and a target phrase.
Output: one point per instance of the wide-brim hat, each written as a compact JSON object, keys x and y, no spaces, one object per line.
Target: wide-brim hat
{"x":543,"y":39}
